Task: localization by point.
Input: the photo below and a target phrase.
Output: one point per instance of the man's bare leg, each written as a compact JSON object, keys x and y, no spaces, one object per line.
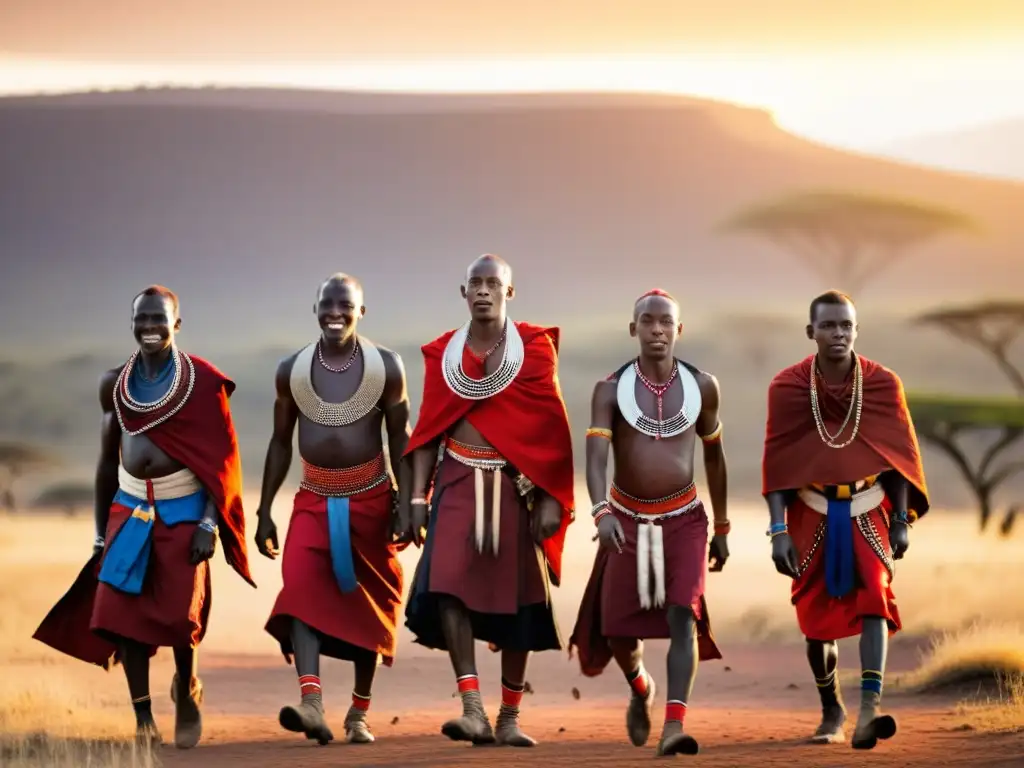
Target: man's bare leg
{"x":308,"y":716}
{"x":823,"y":657}
{"x":871,"y":724}
{"x":629,"y":655}
{"x":356,"y":729}
{"x":682,"y":671}
{"x":513,"y":681}
{"x":135,"y":659}
{"x":187,"y":694}
{"x":473,"y":725}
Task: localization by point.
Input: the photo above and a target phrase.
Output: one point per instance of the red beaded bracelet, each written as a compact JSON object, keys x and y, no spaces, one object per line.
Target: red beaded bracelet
{"x":722,"y":529}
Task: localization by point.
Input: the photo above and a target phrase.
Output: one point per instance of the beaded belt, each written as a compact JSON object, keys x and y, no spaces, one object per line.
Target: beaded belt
{"x":481,"y":460}
{"x":650,"y":542}
{"x":861,"y":502}
{"x":346,"y":481}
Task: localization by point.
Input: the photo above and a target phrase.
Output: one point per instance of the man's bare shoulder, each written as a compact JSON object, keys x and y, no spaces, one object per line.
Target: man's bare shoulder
{"x":606,"y":389}
{"x":283,"y":376}
{"x":108,"y":380}
{"x":393,"y":363}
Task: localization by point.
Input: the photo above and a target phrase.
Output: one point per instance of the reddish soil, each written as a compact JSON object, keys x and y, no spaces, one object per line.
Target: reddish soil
{"x":756,"y":709}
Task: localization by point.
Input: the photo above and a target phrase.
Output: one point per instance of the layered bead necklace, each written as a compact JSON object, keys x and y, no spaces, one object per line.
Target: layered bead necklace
{"x":363,"y":400}
{"x":661,"y":427}
{"x":854,"y":411}
{"x":491,"y":384}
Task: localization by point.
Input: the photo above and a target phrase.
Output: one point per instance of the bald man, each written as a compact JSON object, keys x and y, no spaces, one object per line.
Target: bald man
{"x":342,"y":579}
{"x":649,"y":572}
{"x":500,"y":498}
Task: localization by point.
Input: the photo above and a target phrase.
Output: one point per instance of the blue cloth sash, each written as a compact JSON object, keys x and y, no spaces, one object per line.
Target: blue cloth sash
{"x":839,"y":557}
{"x":340,"y":533}
{"x":127,"y":557}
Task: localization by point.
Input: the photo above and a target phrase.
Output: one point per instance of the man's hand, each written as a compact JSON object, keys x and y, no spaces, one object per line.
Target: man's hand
{"x":610,"y":534}
{"x":546,"y":518}
{"x":204,"y":543}
{"x":784,"y":556}
{"x":401,"y":521}
{"x":899,"y":539}
{"x":266,"y":535}
{"x":417,"y":514}
{"x":718,"y":553}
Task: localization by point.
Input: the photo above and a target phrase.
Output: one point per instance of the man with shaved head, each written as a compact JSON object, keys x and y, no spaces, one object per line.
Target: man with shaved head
{"x":843,"y":480}
{"x":497,"y":502}
{"x":342,"y":579}
{"x":649,"y":571}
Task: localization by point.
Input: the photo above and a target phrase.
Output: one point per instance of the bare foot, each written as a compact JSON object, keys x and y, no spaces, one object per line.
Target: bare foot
{"x":188,"y":719}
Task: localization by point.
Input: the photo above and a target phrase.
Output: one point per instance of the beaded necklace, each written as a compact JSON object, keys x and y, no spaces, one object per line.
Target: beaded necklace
{"x":661,"y":427}
{"x":491,"y":384}
{"x":855,"y":409}
{"x":363,"y":400}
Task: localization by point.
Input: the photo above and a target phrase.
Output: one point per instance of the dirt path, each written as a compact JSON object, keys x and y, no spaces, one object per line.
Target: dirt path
{"x":757,"y":711}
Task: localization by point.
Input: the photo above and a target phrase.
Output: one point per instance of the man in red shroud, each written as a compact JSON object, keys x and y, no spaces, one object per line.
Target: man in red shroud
{"x":500,"y":498}
{"x":843,"y":480}
{"x":169,"y":477}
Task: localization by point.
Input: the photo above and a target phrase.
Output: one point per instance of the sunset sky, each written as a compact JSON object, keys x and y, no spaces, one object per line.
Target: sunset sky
{"x":855,"y":74}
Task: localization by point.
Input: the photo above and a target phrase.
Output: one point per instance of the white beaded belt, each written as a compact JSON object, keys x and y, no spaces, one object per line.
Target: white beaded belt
{"x":860,"y":503}
{"x":480,"y":466}
{"x":650,"y":551}
{"x":175,"y":486}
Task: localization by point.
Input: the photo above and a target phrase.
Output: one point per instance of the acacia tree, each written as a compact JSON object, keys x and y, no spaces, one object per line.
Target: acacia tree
{"x":16,"y":459}
{"x":948,"y":422}
{"x":848,"y":237}
{"x":992,"y":326}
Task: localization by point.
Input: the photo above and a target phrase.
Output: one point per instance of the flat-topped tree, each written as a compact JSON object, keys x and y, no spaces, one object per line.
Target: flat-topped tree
{"x":992,"y":326}
{"x":848,"y":237}
{"x":947,"y":420}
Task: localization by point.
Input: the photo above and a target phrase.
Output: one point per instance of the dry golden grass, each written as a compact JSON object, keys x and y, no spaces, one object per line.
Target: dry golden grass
{"x":54,"y":719}
{"x":986,"y":662}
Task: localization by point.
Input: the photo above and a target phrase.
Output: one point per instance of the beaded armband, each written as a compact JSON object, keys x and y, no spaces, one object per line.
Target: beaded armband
{"x":714,"y":436}
{"x":599,"y":432}
{"x":776,"y":529}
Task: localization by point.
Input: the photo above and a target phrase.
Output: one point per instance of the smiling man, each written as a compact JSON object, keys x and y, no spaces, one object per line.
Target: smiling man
{"x":843,"y":480}
{"x":342,"y":582}
{"x":168,"y":478}
{"x":650,"y":568}
{"x":500,"y":498}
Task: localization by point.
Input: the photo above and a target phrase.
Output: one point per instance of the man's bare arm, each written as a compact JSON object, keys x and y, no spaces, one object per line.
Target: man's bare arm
{"x":396,"y":421}
{"x":599,"y":440}
{"x":110,"y":455}
{"x":279,"y":452}
{"x":709,"y":429}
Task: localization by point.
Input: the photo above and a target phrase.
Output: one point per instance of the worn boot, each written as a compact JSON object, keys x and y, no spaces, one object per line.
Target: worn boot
{"x":638,"y":715}
{"x":833,"y":713}
{"x":188,"y":719}
{"x":357,"y":731}
{"x":307,"y":718}
{"x":507,"y":731}
{"x":473,"y":725}
{"x":673,"y":741}
{"x":871,"y":724}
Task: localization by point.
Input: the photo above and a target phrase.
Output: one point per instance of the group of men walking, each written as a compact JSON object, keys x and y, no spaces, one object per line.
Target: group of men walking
{"x":483,"y":485}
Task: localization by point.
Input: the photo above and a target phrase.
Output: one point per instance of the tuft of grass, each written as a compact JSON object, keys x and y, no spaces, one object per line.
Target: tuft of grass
{"x":1003,"y":712}
{"x":978,"y":655}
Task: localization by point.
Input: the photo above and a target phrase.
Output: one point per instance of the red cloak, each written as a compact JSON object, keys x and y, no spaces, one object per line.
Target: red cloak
{"x":527,"y":422}
{"x":795,"y":456}
{"x":201,"y":436}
